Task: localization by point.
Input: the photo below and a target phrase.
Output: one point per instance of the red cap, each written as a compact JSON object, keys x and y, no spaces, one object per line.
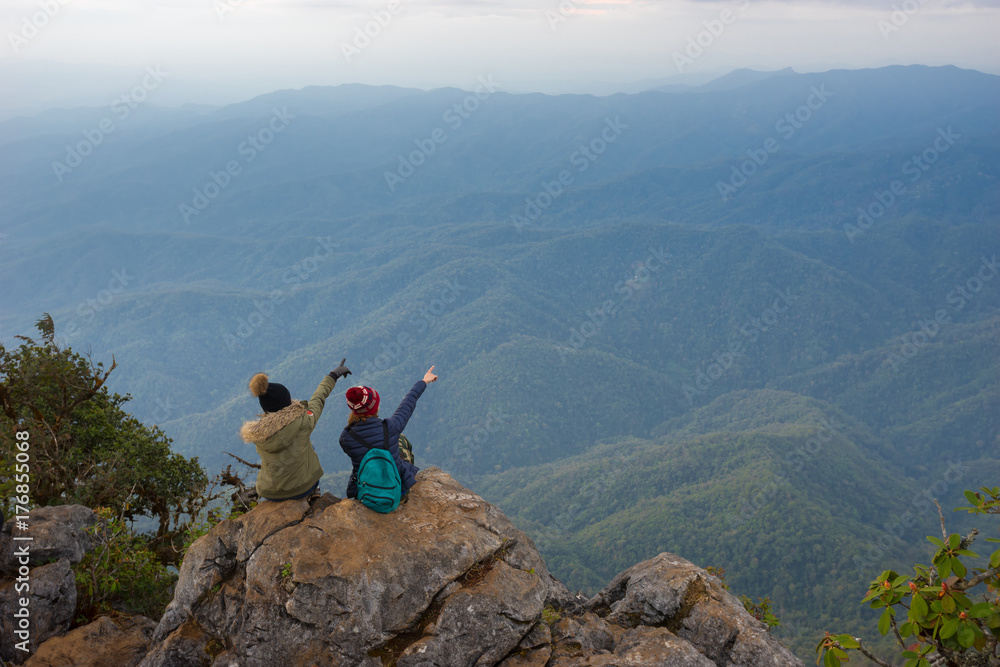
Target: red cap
{"x":362,"y":400}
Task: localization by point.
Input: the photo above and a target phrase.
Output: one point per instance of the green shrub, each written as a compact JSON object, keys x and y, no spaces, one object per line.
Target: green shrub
{"x":120,"y":574}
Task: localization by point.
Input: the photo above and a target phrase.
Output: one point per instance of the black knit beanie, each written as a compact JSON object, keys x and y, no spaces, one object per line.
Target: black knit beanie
{"x":272,"y":396}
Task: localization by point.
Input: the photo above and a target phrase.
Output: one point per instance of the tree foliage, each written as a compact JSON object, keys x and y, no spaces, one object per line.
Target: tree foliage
{"x":933,"y":614}
{"x":84,"y":447}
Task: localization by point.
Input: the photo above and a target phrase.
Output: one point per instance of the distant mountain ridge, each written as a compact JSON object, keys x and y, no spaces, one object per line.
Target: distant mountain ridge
{"x":735,"y":79}
{"x":561,"y":341}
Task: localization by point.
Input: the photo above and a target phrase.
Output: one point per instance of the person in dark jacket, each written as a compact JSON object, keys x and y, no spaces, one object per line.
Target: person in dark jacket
{"x":365,"y":423}
{"x":289,"y":467}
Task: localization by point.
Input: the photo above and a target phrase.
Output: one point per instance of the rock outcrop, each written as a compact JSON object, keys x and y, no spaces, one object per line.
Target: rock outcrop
{"x":58,"y":534}
{"x":445,"y":580}
{"x":104,"y":643}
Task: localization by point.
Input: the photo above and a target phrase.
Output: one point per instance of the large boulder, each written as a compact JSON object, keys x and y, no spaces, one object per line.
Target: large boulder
{"x":287,"y":584}
{"x":670,"y":592}
{"x":51,"y":595}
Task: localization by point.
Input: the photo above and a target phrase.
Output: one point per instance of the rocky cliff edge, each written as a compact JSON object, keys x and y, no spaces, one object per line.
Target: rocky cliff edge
{"x":446,"y":580}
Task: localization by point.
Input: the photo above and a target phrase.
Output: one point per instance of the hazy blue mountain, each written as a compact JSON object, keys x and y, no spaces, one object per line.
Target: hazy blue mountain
{"x":704,"y":331}
{"x":734,"y":79}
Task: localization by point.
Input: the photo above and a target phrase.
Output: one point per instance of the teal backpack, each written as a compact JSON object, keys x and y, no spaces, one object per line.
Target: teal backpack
{"x":379,"y":486}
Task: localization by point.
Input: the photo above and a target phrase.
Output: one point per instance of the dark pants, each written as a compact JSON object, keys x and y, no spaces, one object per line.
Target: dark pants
{"x":306,"y":494}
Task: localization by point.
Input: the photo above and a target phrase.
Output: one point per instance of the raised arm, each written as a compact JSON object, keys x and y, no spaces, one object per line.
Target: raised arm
{"x":318,"y":400}
{"x":403,"y":413}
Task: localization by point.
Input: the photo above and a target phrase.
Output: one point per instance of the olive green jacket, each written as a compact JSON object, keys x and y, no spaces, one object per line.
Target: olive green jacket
{"x":288,"y":463}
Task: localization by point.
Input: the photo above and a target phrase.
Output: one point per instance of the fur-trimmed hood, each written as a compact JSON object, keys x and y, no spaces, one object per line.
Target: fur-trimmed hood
{"x":269,"y":424}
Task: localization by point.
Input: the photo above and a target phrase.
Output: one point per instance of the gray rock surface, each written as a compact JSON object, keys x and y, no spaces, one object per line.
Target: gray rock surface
{"x":56,"y":532}
{"x":670,"y":592}
{"x":446,"y":580}
{"x":585,"y":633}
{"x":187,"y":646}
{"x":285,"y":583}
{"x":51,"y":605}
{"x":482,"y":622}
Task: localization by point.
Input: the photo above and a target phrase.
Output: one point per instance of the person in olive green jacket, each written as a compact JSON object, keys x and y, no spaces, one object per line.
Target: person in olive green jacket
{"x":289,"y":466}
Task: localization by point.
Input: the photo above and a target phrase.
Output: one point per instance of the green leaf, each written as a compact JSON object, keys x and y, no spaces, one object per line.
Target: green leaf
{"x":918,"y":608}
{"x":958,"y":567}
{"x":849,"y":642}
{"x":944,"y":569}
{"x":966,"y":635}
{"x":949,"y":628}
{"x":954,"y":541}
{"x":884,"y":622}
{"x":981,"y":610}
{"x":935,"y":541}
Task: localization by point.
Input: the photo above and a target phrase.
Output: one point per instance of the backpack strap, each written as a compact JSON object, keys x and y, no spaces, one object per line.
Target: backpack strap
{"x":385,"y":437}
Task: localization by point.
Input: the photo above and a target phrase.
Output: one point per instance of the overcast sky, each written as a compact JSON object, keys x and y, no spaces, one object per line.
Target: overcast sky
{"x":224,"y":50}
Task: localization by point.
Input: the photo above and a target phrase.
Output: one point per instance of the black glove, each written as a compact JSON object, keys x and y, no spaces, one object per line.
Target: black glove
{"x":341,"y":370}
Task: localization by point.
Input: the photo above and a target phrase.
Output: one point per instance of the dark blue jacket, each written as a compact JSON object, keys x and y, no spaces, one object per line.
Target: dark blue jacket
{"x":370,"y":430}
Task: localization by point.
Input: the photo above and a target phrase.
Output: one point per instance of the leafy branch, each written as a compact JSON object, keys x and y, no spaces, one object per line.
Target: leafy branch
{"x":941,"y":621}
